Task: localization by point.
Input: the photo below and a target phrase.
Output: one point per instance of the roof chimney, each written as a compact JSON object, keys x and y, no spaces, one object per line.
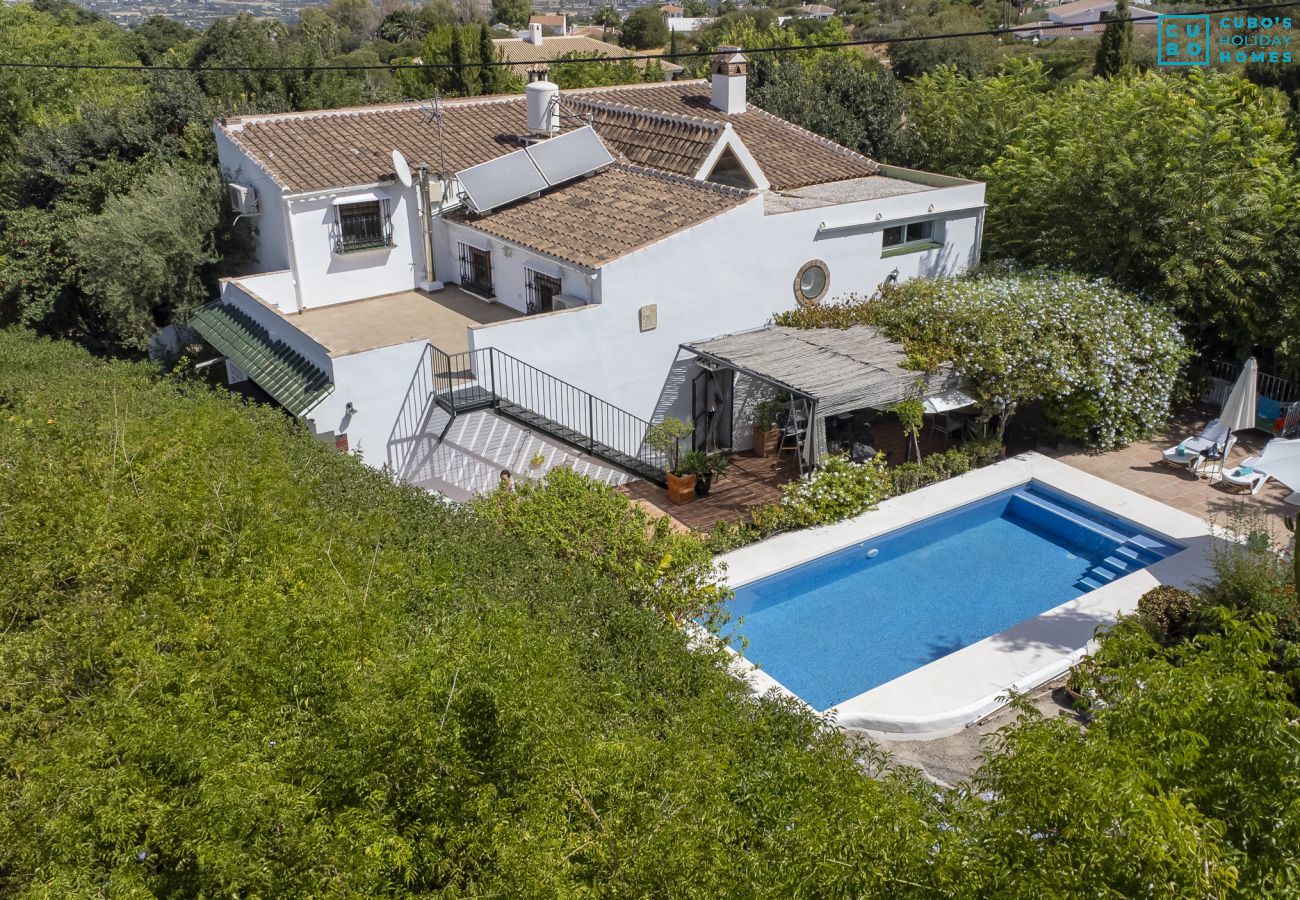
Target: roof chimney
{"x":535,"y":34}
{"x":729,"y":69}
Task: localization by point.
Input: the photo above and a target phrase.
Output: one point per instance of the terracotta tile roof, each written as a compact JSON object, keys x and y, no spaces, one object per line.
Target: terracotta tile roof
{"x":528,"y":54}
{"x":317,"y":151}
{"x":348,"y":147}
{"x":595,"y":220}
{"x":789,"y":156}
{"x":660,"y":141}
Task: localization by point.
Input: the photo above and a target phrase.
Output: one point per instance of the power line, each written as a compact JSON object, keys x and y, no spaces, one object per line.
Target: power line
{"x":643,"y":57}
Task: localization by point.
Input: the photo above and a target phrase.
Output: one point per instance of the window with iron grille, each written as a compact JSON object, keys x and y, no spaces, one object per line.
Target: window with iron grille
{"x":476,"y":270}
{"x":362,"y":226}
{"x":542,"y":290}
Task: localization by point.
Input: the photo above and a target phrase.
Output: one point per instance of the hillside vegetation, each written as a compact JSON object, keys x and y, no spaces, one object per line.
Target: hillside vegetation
{"x":237,"y":663}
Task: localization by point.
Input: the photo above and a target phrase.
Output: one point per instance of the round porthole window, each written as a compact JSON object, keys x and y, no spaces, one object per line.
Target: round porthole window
{"x":811,"y":282}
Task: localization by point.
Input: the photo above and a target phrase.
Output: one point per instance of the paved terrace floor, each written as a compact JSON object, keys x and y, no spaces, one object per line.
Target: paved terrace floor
{"x":442,"y":318}
{"x":1139,"y":467}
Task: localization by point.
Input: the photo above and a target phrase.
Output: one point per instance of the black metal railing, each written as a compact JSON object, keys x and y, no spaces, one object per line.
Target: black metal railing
{"x":476,"y":270}
{"x":492,"y":379}
{"x":361,"y":226}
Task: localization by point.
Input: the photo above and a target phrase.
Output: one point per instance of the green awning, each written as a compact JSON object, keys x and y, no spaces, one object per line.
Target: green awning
{"x":275,"y":367}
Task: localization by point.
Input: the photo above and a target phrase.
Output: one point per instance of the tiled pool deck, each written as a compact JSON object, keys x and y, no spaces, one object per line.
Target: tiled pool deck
{"x":963,"y":687}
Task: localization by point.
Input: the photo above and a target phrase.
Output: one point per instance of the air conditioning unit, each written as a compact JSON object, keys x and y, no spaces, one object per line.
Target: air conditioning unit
{"x":243,"y":199}
{"x":564,"y":301}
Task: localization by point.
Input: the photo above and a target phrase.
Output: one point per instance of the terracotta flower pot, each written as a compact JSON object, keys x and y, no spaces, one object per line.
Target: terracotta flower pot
{"x":681,"y":488}
{"x":765,"y":441}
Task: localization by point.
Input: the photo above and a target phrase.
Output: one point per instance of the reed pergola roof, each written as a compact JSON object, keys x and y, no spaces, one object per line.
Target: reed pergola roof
{"x":838,"y":369}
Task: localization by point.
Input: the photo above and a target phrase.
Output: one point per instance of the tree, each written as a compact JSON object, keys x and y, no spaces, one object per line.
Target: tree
{"x":404,"y":24}
{"x":1140,"y":180}
{"x":491,"y":78}
{"x":644,"y":29}
{"x":848,"y":98}
{"x":156,"y":35}
{"x":514,"y":13}
{"x":464,"y":80}
{"x":607,"y":17}
{"x":1115,"y":52}
{"x":161,"y":235}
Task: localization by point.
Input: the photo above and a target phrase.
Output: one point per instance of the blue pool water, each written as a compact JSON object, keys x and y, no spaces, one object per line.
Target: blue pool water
{"x":837,"y":626}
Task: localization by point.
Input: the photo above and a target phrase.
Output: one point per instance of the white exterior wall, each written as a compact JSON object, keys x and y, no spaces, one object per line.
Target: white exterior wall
{"x":509,"y":262}
{"x":326,"y":277}
{"x":375,"y":383}
{"x":728,"y":274}
{"x":271,"y":224}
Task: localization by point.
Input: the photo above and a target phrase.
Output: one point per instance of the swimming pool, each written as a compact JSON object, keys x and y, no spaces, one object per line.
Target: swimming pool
{"x":837,"y":626}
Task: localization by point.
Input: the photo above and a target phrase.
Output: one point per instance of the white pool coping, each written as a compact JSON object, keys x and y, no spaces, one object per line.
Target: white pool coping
{"x":945,"y":696}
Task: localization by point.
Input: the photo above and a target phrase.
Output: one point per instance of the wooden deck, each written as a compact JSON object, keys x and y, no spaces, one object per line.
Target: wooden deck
{"x":748,"y":482}
{"x":753,"y":481}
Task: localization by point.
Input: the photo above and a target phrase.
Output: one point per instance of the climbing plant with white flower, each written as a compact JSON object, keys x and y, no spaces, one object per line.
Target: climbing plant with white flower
{"x":1104,"y":362}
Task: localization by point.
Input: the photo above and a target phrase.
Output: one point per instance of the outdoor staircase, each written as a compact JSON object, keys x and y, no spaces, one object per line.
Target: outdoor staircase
{"x":490,"y":379}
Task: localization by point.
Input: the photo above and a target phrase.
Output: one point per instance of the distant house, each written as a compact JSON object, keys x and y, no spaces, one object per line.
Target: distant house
{"x":672,"y":11}
{"x":687,"y":24}
{"x":534,"y":54}
{"x":551,"y":24}
{"x":1083,"y":18}
{"x":815,"y":11}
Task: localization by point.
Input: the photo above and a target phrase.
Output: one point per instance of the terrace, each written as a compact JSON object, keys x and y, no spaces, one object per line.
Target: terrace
{"x":443,"y":319}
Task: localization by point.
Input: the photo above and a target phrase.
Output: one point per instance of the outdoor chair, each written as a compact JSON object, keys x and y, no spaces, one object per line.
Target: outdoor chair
{"x":1245,"y":475}
{"x":1191,"y":452}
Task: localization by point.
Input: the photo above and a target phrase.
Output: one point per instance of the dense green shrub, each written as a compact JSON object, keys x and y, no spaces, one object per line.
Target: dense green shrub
{"x":597,"y":528}
{"x":837,"y":489}
{"x":235,"y":662}
{"x":1197,"y":742}
{"x":1167,"y":612}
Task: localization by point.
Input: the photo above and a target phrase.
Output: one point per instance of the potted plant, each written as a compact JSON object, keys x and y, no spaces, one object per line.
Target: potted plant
{"x":695,"y":464}
{"x":766,"y":435}
{"x":706,"y":469}
{"x":666,"y":436}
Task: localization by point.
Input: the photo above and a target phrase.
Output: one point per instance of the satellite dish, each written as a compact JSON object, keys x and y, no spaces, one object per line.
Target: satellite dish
{"x":401,"y":168}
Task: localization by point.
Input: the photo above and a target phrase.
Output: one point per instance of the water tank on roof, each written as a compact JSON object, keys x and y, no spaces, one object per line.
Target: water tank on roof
{"x":543,"y":108}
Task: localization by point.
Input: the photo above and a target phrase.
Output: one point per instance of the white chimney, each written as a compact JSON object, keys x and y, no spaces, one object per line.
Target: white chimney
{"x":543,"y":101}
{"x":729,"y":69}
{"x":535,"y":34}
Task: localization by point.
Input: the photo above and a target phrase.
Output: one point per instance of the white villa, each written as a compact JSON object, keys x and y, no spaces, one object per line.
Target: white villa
{"x":517,"y":286}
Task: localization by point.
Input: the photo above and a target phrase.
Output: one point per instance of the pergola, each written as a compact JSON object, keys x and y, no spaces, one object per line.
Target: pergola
{"x":826,"y":371}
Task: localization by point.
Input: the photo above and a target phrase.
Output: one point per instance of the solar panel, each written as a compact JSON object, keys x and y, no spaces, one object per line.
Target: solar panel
{"x":533,"y":169}
{"x":568,"y":156}
{"x":500,"y":181}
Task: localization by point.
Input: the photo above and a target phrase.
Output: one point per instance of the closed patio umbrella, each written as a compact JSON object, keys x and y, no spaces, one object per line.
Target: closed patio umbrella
{"x":1239,"y":409}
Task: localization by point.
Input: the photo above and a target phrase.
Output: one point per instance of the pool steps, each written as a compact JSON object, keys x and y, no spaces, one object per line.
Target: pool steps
{"x":1125,"y":554}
